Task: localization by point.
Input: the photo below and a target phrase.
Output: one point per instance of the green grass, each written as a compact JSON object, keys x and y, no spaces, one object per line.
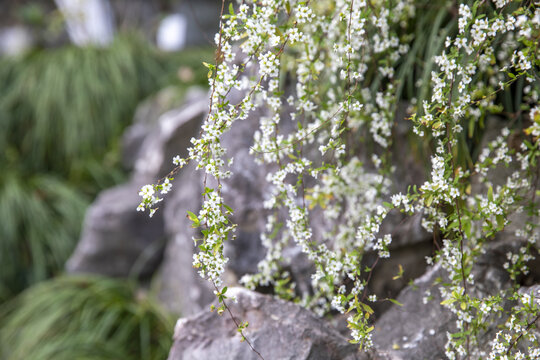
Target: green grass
{"x":41,"y":217}
{"x":84,"y":318}
{"x":64,"y":105}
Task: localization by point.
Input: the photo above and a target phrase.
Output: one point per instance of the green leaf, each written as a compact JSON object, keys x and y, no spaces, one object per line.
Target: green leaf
{"x":367,"y":308}
{"x":448,"y":301}
{"x":500,"y":220}
{"x":228,"y":208}
{"x":192,"y":216}
{"x":395,"y":302}
{"x":388,"y":205}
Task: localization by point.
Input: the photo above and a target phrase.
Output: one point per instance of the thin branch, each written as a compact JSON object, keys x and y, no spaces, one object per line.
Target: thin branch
{"x":238,"y":325}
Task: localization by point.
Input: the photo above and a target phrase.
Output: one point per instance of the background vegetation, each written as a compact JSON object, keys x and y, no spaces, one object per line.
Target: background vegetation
{"x":62,"y":111}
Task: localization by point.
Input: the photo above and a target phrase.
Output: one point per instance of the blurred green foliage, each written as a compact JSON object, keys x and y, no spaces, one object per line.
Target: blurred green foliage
{"x":84,"y":318}
{"x":41,"y":220}
{"x":65,"y":105}
{"x":61,"y":114}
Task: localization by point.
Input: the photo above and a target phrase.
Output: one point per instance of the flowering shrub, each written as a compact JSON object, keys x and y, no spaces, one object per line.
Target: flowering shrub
{"x":352,"y":61}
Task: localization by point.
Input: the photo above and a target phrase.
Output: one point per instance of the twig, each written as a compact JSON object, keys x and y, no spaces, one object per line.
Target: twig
{"x":238,"y":325}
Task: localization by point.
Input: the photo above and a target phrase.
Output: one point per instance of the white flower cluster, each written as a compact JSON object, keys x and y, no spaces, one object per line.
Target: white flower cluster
{"x":326,"y":142}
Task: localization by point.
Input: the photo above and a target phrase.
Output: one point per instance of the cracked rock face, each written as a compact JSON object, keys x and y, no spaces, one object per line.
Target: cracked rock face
{"x":277,"y":329}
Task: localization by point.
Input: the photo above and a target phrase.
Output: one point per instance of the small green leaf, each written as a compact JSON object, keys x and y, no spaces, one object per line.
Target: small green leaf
{"x":228,"y":208}
{"x":500,"y":220}
{"x":448,"y":301}
{"x":370,"y":329}
{"x":396,"y":302}
{"x":388,"y":205}
{"x":192,"y":217}
{"x":367,"y":308}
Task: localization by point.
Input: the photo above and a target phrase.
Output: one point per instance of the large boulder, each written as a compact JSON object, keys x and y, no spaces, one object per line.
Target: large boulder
{"x":116,"y":240}
{"x":181,"y":289}
{"x":146,"y":120}
{"x":418,"y":329}
{"x":277,"y":330}
{"x":171,"y":136}
{"x":244,"y":192}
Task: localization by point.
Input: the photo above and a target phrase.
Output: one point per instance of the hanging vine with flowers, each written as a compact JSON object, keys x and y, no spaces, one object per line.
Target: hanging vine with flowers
{"x":352,"y":62}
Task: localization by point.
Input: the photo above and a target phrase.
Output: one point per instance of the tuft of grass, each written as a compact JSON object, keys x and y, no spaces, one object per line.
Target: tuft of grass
{"x":66,"y":104}
{"x":62,"y":106}
{"x":74,"y":317}
{"x":41,"y":222}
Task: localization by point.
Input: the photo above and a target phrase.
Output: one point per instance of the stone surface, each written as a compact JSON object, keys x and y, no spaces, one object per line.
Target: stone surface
{"x":417,"y":330}
{"x":146,"y":118}
{"x":181,"y":289}
{"x":117,"y":240}
{"x":171,"y":137}
{"x":277,"y":330}
{"x":244,"y":193}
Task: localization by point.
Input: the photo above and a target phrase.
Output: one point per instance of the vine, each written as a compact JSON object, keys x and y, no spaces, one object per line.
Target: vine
{"x":351,"y":61}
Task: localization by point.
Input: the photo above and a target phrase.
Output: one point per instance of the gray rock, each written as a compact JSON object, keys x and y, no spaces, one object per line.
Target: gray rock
{"x":277,"y":330}
{"x":417,"y":330}
{"x":181,"y":289}
{"x":117,"y":240}
{"x":171,"y":136}
{"x":244,"y":193}
{"x":145,"y":120}
{"x":499,"y":175}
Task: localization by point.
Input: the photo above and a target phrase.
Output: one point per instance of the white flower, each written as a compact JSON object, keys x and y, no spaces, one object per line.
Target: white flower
{"x":166,"y":186}
{"x":147,"y":192}
{"x":178,"y":161}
